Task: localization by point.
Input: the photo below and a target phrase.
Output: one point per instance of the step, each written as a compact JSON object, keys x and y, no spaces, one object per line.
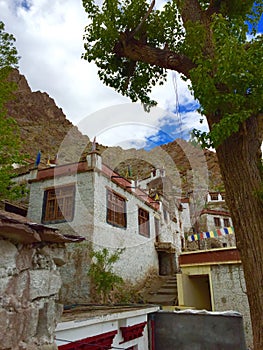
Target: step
{"x":171,"y":282}
{"x":166,"y":291}
{"x":170,"y":285}
{"x":162,"y":300}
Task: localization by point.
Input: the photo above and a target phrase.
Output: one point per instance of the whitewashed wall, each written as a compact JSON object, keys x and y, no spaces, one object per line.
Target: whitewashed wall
{"x":140,"y":254}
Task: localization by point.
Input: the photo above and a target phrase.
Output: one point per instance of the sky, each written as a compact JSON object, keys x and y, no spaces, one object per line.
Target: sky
{"x":49,"y":40}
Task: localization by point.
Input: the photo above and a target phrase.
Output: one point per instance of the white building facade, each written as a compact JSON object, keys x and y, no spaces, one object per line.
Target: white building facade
{"x":91,"y":200}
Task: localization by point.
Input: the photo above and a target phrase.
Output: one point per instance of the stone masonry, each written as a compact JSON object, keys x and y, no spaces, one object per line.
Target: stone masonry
{"x":230,"y":293}
{"x":29,"y":283}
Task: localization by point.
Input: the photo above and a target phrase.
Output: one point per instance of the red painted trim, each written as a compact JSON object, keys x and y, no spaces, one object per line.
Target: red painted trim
{"x":97,"y":342}
{"x":209,"y":256}
{"x":215,"y":212}
{"x":62,"y":170}
{"x":132,"y":332}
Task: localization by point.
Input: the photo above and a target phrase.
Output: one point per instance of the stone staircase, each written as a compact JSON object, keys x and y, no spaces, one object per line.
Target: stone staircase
{"x":166,"y":294}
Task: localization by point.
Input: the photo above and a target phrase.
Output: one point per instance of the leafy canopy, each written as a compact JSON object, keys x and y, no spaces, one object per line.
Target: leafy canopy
{"x":227,"y":70}
{"x":9,"y":140}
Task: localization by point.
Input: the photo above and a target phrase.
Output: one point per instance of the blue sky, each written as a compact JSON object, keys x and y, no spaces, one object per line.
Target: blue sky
{"x":49,"y":41}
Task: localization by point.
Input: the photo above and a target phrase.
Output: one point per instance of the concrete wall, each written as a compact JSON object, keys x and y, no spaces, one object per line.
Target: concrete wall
{"x":29,"y":286}
{"x":198,"y":331}
{"x":229,"y":291}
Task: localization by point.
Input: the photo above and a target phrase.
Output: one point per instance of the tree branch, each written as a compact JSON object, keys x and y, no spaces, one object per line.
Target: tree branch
{"x":137,"y":50}
{"x":137,"y":29}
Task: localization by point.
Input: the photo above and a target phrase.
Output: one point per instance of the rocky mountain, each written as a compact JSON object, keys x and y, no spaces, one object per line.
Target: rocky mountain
{"x":43,"y":126}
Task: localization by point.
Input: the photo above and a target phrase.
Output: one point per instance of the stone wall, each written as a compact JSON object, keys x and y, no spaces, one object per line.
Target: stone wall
{"x":229,"y":290}
{"x":29,"y":286}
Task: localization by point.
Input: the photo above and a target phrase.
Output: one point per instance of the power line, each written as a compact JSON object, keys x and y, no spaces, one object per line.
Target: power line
{"x":177,"y":105}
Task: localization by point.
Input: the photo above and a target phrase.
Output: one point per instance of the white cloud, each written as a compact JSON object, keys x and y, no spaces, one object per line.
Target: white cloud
{"x":126,"y":125}
{"x":49,"y":40}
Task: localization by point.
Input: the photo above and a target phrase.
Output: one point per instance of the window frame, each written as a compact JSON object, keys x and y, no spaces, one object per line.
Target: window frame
{"x":217,"y":219}
{"x":116,"y":218}
{"x":226,"y":220}
{"x":214,"y":196}
{"x":144,"y":222}
{"x":57,"y":206}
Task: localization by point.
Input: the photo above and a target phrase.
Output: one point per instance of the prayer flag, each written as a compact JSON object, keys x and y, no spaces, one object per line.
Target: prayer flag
{"x":38,"y":158}
{"x":211,"y":234}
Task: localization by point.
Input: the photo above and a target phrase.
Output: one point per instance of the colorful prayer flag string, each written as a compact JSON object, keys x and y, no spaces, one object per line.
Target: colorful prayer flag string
{"x":211,"y":234}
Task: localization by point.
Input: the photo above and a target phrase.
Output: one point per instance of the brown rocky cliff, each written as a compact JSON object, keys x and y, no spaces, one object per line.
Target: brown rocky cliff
{"x":43,"y":126}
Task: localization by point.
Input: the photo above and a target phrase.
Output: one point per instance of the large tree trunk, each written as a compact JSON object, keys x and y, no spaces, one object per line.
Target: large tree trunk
{"x":239,"y":161}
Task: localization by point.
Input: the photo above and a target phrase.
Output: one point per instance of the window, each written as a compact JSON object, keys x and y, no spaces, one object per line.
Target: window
{"x":214,"y":196}
{"x":217,"y":222}
{"x":58,"y":204}
{"x":157,"y":227}
{"x":226,"y":222}
{"x":143,"y":220}
{"x":116,"y":209}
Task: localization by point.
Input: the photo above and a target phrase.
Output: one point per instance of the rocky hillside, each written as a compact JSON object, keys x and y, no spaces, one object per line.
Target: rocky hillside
{"x":43,"y":126}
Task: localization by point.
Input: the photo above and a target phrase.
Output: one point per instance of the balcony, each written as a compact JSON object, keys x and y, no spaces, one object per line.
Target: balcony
{"x":166,"y":247}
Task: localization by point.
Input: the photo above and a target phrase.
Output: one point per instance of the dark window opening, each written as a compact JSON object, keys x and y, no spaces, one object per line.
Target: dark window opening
{"x":143,"y":220}
{"x":214,"y":196}
{"x":217,"y":222}
{"x":116,"y":210}
{"x":226,"y":222}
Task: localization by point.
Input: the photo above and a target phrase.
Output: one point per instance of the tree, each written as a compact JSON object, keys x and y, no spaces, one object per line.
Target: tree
{"x":9,"y":140}
{"x":134,"y":44}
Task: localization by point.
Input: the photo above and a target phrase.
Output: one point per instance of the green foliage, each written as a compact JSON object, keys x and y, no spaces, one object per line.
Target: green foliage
{"x":227,"y":79}
{"x":101,"y":271}
{"x":9,"y":141}
{"x":132,"y":79}
{"x":230,"y":84}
